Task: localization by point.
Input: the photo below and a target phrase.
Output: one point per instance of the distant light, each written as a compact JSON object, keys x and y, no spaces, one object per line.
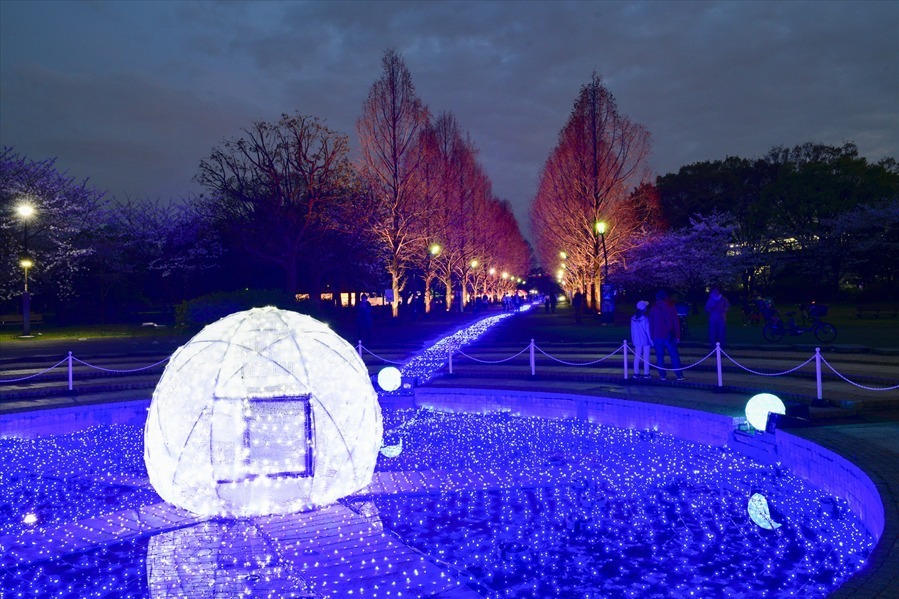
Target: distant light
{"x":390,"y":378}
{"x":474,"y":263}
{"x":759,"y":406}
{"x":434,"y":249}
{"x":563,"y":255}
{"x":492,"y":271}
{"x":30,"y":519}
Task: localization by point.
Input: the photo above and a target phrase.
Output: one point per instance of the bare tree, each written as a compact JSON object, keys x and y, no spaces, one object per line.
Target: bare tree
{"x":588,"y":179}
{"x":277,"y":189}
{"x":390,"y":130}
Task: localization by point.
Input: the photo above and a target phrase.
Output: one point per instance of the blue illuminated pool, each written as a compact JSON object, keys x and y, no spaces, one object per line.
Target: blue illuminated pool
{"x":500,"y":505}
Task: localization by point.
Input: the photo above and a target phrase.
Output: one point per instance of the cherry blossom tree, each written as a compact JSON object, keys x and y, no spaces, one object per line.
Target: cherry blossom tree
{"x":66,"y":215}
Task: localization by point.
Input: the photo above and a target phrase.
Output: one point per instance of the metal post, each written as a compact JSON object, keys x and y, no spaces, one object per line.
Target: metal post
{"x":70,"y":371}
{"x":718,"y":359}
{"x":818,"y":373}
{"x":625,"y":359}
{"x":360,"y":348}
{"x":450,"y":351}
{"x":533,"y":364}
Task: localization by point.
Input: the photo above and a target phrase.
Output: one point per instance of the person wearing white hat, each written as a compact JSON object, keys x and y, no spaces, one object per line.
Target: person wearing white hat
{"x":640,"y":339}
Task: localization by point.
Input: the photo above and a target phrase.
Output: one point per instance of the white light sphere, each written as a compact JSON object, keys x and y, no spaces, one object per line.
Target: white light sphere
{"x":263,"y":412}
{"x":759,"y":406}
{"x":390,"y":378}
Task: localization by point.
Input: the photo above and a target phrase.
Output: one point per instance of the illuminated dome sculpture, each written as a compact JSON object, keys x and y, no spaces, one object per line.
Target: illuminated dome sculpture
{"x":265,"y":411}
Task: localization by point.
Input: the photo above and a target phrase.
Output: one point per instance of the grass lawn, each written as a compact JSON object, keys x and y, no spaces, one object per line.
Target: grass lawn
{"x":559,"y":327}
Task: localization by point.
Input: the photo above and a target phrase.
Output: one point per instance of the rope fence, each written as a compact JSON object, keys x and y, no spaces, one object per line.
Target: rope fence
{"x":532,"y":349}
{"x":718,"y":354}
{"x":70,"y":360}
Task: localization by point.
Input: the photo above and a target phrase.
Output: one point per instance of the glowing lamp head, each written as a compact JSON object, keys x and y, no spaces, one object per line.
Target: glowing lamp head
{"x":25,"y":210}
{"x":26,"y":263}
{"x":263,"y":412}
{"x":390,"y":379}
{"x":29,"y":519}
{"x":434,"y":249}
{"x":759,"y":406}
{"x":601,"y":227}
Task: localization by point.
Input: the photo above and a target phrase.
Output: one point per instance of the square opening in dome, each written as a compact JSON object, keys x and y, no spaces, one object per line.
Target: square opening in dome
{"x":269,"y":437}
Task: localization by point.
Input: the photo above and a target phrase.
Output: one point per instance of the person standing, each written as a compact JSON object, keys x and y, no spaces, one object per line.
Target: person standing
{"x":664,"y":328}
{"x":363,"y":319}
{"x":641,"y":340}
{"x":577,"y":301}
{"x":717,"y":307}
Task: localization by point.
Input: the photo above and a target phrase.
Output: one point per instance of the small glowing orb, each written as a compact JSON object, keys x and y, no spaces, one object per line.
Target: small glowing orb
{"x":30,"y":518}
{"x":759,"y":406}
{"x":263,"y":412}
{"x":390,"y":378}
{"x":392,"y":451}
{"x":759,"y":512}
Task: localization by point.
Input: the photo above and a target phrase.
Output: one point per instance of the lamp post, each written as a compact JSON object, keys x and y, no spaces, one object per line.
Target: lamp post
{"x":605,"y":292}
{"x":25,"y":212}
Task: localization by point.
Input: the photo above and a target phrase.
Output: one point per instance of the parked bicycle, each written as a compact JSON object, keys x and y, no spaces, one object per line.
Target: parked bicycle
{"x":810,"y":322}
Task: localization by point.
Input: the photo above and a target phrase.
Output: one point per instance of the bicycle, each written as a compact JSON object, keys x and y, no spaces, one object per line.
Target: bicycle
{"x":776,"y":329}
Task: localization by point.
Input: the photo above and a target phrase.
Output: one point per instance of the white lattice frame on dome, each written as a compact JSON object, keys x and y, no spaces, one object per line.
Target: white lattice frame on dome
{"x":265,"y":411}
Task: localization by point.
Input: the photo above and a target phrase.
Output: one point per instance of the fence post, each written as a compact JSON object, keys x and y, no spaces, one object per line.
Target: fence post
{"x":450,"y":352}
{"x":625,"y":358}
{"x":360,"y":348}
{"x":533,"y":364}
{"x":70,"y":371}
{"x":818,"y":374}
{"x":718,"y":359}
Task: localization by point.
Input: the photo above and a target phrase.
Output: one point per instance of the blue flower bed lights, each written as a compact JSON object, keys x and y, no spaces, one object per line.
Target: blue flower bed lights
{"x":552,"y":508}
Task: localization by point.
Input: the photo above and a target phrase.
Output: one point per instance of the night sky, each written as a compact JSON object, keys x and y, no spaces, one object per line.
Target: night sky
{"x":134,"y":94}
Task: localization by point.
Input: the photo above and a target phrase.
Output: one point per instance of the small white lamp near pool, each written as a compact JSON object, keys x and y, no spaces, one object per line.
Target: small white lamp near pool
{"x":390,"y":379}
{"x":759,"y":406}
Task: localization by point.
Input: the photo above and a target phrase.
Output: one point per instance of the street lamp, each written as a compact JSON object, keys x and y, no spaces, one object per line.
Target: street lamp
{"x":605,"y":292}
{"x":25,"y":212}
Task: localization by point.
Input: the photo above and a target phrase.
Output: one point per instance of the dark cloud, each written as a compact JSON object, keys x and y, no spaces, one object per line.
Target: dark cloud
{"x":135,"y":94}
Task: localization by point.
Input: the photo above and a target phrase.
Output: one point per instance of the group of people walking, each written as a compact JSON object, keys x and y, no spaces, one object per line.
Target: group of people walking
{"x":659,"y":327}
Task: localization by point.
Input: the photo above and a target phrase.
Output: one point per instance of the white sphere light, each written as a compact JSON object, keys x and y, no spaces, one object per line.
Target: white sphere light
{"x":390,"y":378}
{"x":263,"y":412}
{"x":759,"y":406}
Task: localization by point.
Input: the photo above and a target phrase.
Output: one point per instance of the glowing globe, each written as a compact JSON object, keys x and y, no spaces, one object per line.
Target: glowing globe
{"x":759,"y":406}
{"x":390,"y":378}
{"x":265,"y":411}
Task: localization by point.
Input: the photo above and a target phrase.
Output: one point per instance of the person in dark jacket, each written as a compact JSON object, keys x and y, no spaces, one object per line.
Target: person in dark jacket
{"x":664,"y":328}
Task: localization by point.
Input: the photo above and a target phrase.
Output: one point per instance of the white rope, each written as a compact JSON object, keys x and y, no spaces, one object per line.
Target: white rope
{"x":749,"y":370}
{"x":856,"y":384}
{"x":379,"y":357}
{"x":31,"y":376}
{"x":577,"y":363}
{"x":693,"y":365}
{"x":462,"y":353}
{"x":120,"y":371}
